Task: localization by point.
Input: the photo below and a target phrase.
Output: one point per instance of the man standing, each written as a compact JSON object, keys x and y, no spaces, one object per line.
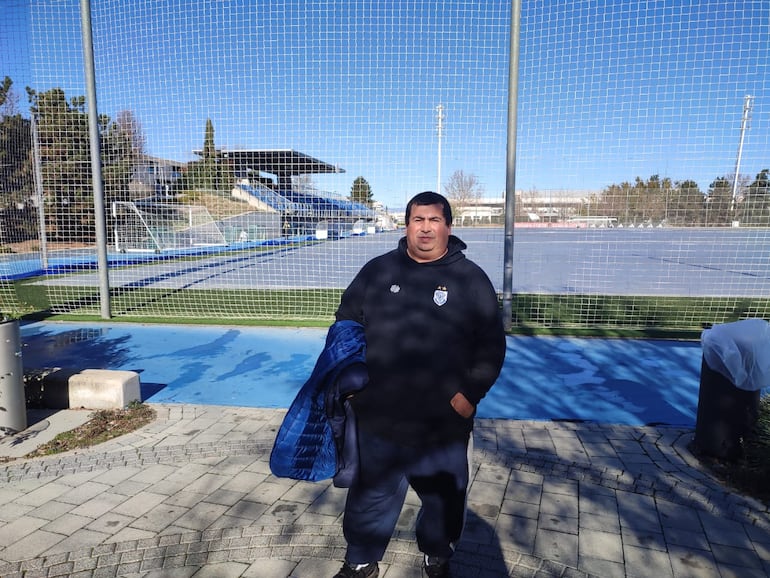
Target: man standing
{"x":435,"y":345}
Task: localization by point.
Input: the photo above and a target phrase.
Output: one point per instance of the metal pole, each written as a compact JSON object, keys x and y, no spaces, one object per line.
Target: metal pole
{"x":744,"y":121}
{"x":510,"y":162}
{"x":13,"y":416}
{"x":96,"y":160}
{"x":39,"y":194}
{"x":440,"y":126}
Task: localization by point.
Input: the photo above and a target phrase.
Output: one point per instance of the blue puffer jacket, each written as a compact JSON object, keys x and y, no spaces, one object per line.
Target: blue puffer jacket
{"x":316,"y":440}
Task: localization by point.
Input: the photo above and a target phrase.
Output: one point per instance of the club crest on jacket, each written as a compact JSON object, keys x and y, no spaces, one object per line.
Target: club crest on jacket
{"x":440,"y":296}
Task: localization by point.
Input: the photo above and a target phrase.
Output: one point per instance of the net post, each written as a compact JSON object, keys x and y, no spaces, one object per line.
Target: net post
{"x":510,"y":163}
{"x":96,"y":160}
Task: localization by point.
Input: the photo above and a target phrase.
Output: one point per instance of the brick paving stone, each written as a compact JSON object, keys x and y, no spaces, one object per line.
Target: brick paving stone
{"x":603,"y":568}
{"x":693,"y":562}
{"x":557,"y":546}
{"x":644,"y":562}
{"x":599,"y":522}
{"x":546,"y":499}
{"x":601,"y":545}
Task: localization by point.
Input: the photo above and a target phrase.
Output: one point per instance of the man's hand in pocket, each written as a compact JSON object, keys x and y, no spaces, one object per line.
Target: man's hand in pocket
{"x":462,"y":406}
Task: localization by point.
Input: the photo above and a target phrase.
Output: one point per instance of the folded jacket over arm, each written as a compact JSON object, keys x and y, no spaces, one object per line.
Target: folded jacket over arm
{"x":316,"y":440}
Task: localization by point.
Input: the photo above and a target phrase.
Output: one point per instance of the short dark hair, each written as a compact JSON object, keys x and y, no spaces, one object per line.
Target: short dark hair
{"x":429,"y":198}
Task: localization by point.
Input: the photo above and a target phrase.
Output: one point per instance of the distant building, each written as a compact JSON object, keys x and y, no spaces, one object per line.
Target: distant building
{"x":541,"y":206}
{"x":551,"y":205}
{"x":155,"y":177}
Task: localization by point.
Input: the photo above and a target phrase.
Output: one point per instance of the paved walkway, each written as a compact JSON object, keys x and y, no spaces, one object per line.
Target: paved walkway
{"x":191,"y":495}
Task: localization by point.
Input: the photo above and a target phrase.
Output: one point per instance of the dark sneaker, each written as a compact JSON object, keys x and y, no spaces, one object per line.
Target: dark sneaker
{"x":435,"y":567}
{"x":369,"y":571}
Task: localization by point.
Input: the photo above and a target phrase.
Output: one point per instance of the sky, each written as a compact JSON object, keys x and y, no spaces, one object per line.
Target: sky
{"x":609,"y":90}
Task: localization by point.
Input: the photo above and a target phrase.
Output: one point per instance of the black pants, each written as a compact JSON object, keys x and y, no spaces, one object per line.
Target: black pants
{"x":438,"y":475}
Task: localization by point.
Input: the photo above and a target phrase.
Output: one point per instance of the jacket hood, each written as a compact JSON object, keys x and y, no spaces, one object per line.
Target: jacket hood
{"x":455,"y":250}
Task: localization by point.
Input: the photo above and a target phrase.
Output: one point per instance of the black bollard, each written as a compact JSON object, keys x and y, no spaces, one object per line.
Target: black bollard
{"x":725,"y":416}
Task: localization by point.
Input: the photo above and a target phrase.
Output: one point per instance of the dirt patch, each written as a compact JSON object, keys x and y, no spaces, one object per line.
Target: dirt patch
{"x":104,"y":425}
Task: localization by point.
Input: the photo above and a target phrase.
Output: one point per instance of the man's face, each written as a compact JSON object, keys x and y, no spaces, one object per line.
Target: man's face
{"x":427,"y":233}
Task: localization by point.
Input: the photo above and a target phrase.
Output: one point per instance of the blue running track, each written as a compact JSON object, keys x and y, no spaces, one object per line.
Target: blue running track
{"x":611,"y":381}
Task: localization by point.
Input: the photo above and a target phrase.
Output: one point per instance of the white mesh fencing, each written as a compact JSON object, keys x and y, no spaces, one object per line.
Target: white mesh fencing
{"x":299,"y":129}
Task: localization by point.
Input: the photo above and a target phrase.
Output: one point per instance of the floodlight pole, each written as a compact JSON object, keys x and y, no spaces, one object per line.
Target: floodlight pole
{"x":440,"y":128}
{"x":96,"y":159}
{"x":510,"y":162}
{"x":744,"y":121}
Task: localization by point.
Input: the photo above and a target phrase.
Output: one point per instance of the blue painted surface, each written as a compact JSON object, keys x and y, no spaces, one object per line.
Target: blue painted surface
{"x":631,"y":382}
{"x":620,"y":381}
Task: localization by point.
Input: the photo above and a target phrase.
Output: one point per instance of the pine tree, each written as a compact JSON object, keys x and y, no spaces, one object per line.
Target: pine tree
{"x":209,"y":161}
{"x":361,"y":192}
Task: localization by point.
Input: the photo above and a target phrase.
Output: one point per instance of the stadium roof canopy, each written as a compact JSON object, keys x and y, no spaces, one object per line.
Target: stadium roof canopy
{"x":279,"y":162}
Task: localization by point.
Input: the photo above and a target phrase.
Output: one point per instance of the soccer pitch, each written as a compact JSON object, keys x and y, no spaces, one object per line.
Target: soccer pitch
{"x":649,"y":262}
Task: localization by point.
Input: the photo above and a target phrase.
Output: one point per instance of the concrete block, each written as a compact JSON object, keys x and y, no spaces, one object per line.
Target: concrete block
{"x":103,"y":389}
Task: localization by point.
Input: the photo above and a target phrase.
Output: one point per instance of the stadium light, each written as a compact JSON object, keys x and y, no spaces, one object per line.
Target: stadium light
{"x":440,"y":128}
{"x":744,"y":121}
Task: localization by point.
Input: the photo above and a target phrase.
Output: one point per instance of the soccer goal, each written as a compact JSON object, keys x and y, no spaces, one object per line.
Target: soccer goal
{"x":158,"y":227}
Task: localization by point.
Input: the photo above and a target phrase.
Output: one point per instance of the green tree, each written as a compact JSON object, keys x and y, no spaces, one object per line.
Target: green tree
{"x":122,"y":143}
{"x":361,"y":192}
{"x":5,"y":91}
{"x":755,"y":206}
{"x":685,"y":206}
{"x":205,"y":172}
{"x":654,"y":200}
{"x":19,"y":215}
{"x":656,"y":195}
{"x":15,"y":159}
{"x":718,"y":202}
{"x":616,"y":201}
{"x":65,"y":161}
{"x":16,"y":182}
{"x":630,"y":203}
{"x":208,"y":174}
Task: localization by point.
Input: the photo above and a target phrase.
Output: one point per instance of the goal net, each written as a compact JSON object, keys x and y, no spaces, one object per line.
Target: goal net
{"x":157,"y":227}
